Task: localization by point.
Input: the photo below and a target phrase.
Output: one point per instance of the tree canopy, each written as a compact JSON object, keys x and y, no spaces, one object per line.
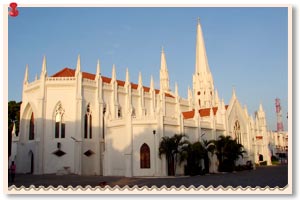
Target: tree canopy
{"x":13,"y":117}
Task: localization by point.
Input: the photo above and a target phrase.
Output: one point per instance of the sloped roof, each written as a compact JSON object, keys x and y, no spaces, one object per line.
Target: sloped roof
{"x":188,"y":114}
{"x":204,"y":112}
{"x":67,"y":72}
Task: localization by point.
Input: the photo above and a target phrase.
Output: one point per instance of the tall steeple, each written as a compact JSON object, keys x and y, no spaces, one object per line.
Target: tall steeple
{"x":164,"y":75}
{"x":201,"y":58}
{"x":203,"y":84}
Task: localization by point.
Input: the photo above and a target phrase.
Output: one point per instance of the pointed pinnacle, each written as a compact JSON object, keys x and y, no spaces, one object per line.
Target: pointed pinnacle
{"x":140,"y":79}
{"x":78,"y":66}
{"x":26,"y":74}
{"x":114,"y":76}
{"x":98,"y":72}
{"x":44,"y":66}
{"x":127,"y":76}
{"x":151,"y":83}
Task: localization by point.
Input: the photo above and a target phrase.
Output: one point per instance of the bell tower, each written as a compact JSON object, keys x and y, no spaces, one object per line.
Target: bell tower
{"x":203,"y":84}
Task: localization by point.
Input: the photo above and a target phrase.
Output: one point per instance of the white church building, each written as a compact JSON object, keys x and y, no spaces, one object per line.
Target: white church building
{"x":87,"y":124}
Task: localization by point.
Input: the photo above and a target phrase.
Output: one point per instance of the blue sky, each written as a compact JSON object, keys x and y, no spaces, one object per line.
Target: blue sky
{"x":246,"y":47}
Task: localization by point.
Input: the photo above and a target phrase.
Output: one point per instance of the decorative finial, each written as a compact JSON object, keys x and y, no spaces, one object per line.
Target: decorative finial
{"x":162,"y":48}
{"x":198,"y":19}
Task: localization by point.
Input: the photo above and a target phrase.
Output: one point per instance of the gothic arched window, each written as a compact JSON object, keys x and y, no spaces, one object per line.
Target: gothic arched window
{"x":237,"y":131}
{"x":145,"y":156}
{"x":59,"y":122}
{"x":31,"y":127}
{"x":88,"y":123}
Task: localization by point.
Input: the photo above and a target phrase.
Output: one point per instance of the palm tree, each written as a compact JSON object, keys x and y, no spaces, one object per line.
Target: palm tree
{"x":228,"y":151}
{"x":172,"y":147}
{"x":209,"y":147}
{"x":193,"y":153}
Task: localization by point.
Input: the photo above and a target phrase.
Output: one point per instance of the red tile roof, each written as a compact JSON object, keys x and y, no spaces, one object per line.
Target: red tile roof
{"x":67,"y":72}
{"x":204,"y":112}
{"x":188,"y":114}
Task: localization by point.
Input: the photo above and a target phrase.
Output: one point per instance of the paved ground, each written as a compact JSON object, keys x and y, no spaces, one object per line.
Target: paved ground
{"x":271,"y":176}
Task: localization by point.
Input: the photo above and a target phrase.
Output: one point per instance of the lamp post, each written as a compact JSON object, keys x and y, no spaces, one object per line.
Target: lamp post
{"x":154,"y":132}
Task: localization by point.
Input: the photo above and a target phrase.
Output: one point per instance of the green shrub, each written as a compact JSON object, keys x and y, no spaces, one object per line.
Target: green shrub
{"x":263,"y":163}
{"x":274,"y":159}
{"x":275,"y":162}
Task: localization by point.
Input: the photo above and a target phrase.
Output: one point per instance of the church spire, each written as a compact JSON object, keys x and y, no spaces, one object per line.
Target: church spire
{"x":164,"y":75}
{"x":203,"y":83}
{"x":201,"y":58}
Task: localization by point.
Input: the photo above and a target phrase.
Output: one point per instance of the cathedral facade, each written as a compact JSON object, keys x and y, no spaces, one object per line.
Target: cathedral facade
{"x":88,"y":124}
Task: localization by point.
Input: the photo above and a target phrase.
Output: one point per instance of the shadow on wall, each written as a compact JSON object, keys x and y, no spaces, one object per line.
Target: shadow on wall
{"x":90,"y":156}
{"x":56,"y":151}
{"x":69,"y":154}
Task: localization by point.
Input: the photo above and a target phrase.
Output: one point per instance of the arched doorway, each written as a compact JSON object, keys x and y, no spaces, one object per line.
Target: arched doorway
{"x":144,"y":156}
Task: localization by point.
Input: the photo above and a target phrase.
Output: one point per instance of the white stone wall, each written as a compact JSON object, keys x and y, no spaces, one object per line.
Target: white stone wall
{"x":123,"y":136}
{"x":117,"y":143}
{"x":143,"y":133}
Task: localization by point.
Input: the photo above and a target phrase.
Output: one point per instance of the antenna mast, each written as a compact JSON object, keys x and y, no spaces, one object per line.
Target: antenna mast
{"x":279,"y":115}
